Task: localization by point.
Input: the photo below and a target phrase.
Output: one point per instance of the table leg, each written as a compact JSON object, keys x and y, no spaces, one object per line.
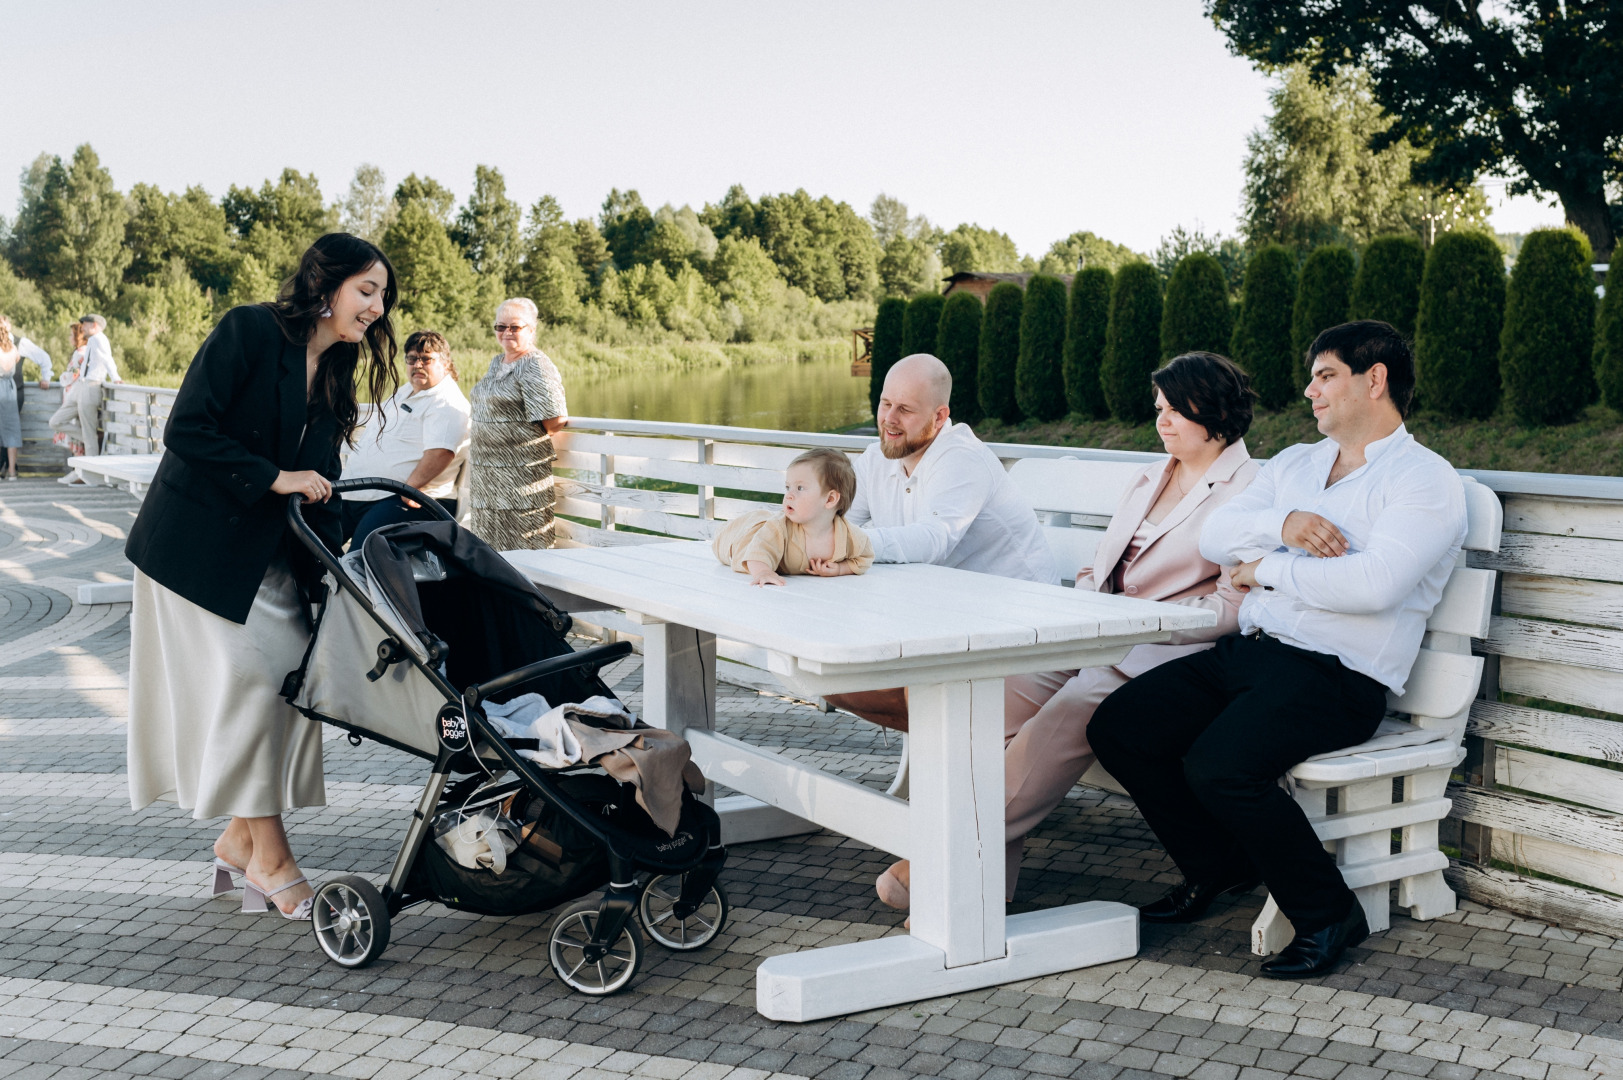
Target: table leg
{"x":679,"y":694}
{"x":961,"y":939}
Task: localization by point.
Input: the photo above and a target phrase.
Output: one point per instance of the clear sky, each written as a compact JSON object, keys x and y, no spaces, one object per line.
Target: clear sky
{"x":1034,"y":118}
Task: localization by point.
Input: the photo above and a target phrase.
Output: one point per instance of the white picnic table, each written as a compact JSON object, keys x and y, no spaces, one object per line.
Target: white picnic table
{"x":950,"y":636}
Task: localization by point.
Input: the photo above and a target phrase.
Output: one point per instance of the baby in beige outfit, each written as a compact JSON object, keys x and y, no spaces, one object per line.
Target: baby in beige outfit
{"x":809,"y":535}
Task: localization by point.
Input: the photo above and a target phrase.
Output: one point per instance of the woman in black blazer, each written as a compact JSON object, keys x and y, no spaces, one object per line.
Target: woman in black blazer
{"x":217,"y":619}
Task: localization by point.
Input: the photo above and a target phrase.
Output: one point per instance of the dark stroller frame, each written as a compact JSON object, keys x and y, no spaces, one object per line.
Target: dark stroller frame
{"x":481,"y":748}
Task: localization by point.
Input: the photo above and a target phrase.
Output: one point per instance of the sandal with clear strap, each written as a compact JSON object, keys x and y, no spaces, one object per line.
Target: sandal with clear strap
{"x":225,"y":875}
{"x":254,"y":899}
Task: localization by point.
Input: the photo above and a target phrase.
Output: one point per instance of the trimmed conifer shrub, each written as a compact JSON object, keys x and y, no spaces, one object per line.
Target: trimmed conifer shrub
{"x":921,"y":323}
{"x":1039,"y":374}
{"x":1196,"y":316}
{"x":1086,"y":318}
{"x":1388,"y":283}
{"x":887,"y":345}
{"x":1262,"y":338}
{"x":1323,"y":295}
{"x":1132,"y":343}
{"x":1462,"y":308}
{"x":958,"y":345}
{"x":1000,"y":352}
{"x":1609,"y":339}
{"x":1546,"y":352}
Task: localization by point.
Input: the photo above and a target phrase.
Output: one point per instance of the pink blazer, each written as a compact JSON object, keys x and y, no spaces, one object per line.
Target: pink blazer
{"x":1170,"y":566}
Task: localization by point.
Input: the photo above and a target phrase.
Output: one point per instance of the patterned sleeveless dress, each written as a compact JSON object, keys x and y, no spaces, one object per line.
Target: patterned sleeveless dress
{"x":511,"y":454}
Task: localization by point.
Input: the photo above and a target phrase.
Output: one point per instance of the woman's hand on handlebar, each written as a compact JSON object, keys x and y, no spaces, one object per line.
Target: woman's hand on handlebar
{"x":309,"y":483}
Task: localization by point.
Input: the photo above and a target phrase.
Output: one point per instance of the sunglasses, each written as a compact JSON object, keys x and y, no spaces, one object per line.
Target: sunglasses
{"x":502,"y":328}
{"x":416,"y":360}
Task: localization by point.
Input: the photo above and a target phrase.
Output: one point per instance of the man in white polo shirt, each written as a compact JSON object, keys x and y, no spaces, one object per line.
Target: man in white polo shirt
{"x":423,"y":443}
{"x":929,"y":491}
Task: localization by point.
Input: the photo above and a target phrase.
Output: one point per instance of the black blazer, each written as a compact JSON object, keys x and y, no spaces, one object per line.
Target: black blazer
{"x":210,"y":524}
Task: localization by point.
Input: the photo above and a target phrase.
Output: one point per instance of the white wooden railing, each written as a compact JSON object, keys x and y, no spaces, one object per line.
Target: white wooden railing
{"x":1542,"y":788}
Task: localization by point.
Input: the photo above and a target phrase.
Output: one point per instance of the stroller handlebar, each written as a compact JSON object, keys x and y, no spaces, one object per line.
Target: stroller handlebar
{"x":593,"y":657}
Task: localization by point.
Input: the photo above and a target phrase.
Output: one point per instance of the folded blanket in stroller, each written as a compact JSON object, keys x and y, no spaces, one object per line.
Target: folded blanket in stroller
{"x":601,"y":731}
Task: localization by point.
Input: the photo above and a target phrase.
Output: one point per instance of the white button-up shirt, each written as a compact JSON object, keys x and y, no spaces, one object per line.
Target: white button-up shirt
{"x":99,"y":366}
{"x":418,"y":421}
{"x":959,"y":509}
{"x":1403,"y":514}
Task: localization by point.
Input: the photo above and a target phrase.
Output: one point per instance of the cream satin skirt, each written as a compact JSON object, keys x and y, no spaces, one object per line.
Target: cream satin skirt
{"x":208,"y":726}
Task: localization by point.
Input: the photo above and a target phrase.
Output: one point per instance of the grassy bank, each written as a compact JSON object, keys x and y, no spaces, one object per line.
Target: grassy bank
{"x":1592,"y":446}
{"x":578,"y":357}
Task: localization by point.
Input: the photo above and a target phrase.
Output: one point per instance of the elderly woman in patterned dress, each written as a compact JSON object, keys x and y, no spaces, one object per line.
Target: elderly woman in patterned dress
{"x":517,"y":407}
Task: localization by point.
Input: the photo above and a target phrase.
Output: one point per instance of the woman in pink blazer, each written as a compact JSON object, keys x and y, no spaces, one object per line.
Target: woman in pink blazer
{"x":1152,"y":551}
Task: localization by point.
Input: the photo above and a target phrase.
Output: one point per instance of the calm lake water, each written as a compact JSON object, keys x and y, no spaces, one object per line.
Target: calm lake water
{"x":809,"y":396}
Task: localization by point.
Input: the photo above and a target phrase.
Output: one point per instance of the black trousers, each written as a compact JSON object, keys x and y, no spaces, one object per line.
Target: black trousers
{"x":1201,"y":742}
{"x":361,"y":518}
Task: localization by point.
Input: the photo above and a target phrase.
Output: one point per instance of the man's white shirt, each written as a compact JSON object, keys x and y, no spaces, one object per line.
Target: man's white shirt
{"x":1403,"y":515}
{"x":31,"y":351}
{"x":959,"y":509}
{"x":418,"y":421}
{"x":99,"y":366}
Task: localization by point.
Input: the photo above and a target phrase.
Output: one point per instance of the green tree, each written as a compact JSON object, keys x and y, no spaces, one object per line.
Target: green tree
{"x":487,"y":228}
{"x":279,"y":221}
{"x":190,"y":227}
{"x":909,"y":267}
{"x":1000,"y":352}
{"x":887,"y":345}
{"x":1388,"y":283}
{"x":1546,"y":353}
{"x":1262,"y":336}
{"x":367,"y":209}
{"x":1231,"y":255}
{"x":38,"y":223}
{"x":434,"y":195}
{"x":1311,"y":177}
{"x":159,"y":323}
{"x":69,"y":235}
{"x":1088,"y":250}
{"x":1528,"y":89}
{"x":972,"y":248}
{"x":1132,"y":343}
{"x":1461,"y":311}
{"x":821,"y":246}
{"x":1039,"y":374}
{"x":922,"y":322}
{"x":1609,"y":340}
{"x":1196,"y":315}
{"x":1087,"y":320}
{"x":591,"y":251}
{"x":1323,"y":295}
{"x":958,"y":345}
{"x":438,"y":288}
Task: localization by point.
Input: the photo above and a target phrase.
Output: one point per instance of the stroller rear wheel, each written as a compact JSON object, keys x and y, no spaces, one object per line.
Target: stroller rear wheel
{"x":676,"y":925}
{"x":351,"y":921}
{"x":589,"y":968}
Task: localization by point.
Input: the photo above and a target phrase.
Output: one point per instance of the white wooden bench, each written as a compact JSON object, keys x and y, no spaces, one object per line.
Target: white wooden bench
{"x":133,"y":472}
{"x":1355,"y":797}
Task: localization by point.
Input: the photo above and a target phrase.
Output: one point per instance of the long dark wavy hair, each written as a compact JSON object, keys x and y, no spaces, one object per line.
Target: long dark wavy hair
{"x":329,"y":262}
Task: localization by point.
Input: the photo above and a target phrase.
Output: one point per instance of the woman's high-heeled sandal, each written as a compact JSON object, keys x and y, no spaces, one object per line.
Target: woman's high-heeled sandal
{"x":254,"y":899}
{"x":224,"y":873}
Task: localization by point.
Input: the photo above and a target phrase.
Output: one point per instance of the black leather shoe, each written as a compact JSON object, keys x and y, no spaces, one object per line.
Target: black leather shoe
{"x":1188,"y":901}
{"x":1316,"y":953}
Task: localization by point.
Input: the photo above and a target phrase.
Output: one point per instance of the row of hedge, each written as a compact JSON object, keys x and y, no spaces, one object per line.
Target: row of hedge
{"x":1534,"y":341}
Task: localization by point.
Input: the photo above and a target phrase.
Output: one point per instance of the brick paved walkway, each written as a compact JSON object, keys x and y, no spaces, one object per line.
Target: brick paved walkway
{"x":114,"y":961}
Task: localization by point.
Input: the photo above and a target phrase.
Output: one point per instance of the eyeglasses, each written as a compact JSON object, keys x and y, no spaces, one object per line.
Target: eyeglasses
{"x":420,"y":360}
{"x":502,"y":328}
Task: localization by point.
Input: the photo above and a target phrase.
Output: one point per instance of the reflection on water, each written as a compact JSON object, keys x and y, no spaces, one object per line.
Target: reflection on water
{"x":811,"y":396}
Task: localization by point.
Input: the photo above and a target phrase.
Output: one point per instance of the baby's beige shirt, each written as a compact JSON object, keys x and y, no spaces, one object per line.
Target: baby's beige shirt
{"x":767,"y":536}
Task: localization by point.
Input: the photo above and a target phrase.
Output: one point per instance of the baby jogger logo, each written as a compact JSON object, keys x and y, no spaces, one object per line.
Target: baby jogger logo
{"x":453,"y":729}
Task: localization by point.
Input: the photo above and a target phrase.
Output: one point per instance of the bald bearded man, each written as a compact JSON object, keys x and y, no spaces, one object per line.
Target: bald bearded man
{"x":929,"y":491}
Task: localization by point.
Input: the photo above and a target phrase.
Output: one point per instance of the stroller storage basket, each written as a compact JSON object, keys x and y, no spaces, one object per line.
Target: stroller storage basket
{"x":412,"y":634}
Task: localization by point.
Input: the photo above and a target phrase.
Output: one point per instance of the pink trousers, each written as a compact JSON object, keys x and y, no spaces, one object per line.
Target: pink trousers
{"x":1045,"y":748}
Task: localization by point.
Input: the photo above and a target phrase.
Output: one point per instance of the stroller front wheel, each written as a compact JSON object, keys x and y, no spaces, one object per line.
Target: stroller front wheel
{"x":676,"y":925}
{"x":588,"y":968}
{"x":351,"y":921}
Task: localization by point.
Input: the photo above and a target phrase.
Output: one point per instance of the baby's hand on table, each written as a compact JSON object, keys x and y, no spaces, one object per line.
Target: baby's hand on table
{"x":829,"y":568}
{"x":763,"y":574}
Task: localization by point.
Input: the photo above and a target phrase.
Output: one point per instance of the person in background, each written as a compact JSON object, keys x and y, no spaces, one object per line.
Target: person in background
{"x":1342,"y":548}
{"x":79,"y":416}
{"x":219,"y":615}
{"x":517,"y":407}
{"x":422,"y":442}
{"x":14,"y":348}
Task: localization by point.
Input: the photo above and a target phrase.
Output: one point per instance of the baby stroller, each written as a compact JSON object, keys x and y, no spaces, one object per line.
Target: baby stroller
{"x":413,"y":635}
